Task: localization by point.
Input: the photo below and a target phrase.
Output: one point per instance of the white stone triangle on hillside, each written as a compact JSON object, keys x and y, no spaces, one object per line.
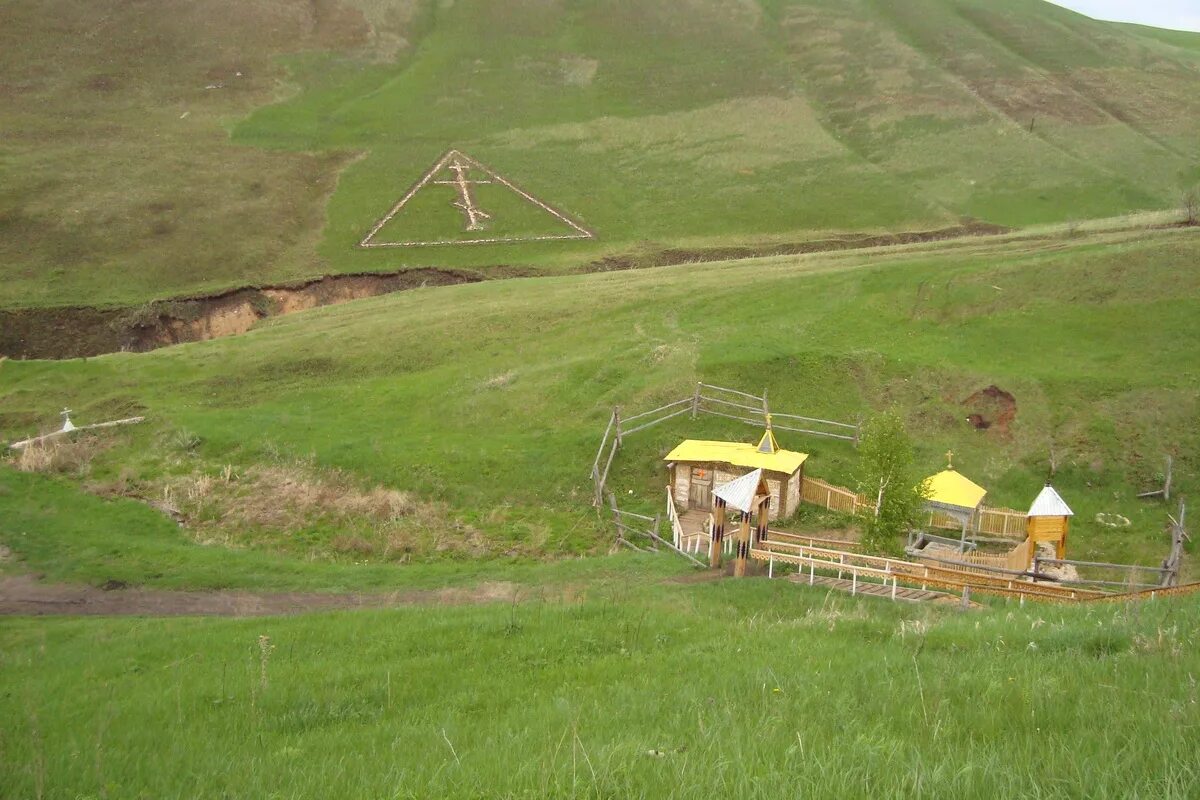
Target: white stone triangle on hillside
{"x":461,"y":175}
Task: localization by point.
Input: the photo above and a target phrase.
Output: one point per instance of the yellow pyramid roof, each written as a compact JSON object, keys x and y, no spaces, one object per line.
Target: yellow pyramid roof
{"x":951,"y":488}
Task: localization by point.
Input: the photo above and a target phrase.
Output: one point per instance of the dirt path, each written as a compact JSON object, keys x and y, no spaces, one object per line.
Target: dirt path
{"x":27,"y":596}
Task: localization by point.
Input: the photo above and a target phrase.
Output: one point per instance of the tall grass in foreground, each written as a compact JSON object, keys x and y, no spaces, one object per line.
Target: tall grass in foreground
{"x":752,"y":689}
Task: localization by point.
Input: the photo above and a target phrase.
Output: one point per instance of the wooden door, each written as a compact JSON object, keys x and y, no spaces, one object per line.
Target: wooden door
{"x":700,"y":494}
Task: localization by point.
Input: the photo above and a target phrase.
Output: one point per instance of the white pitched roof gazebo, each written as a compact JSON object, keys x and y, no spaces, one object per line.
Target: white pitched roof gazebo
{"x":1049,"y":503}
{"x":750,"y":495}
{"x":1049,"y":520}
{"x":740,"y":493}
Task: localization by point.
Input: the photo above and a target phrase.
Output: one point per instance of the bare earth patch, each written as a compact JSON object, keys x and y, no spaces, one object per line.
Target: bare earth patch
{"x":991,"y":409}
{"x":25,"y":595}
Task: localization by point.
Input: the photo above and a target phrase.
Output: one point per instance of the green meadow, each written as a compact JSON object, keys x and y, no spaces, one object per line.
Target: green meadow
{"x":220,"y":144}
{"x":441,"y":438}
{"x":634,"y":689}
{"x":486,"y":402}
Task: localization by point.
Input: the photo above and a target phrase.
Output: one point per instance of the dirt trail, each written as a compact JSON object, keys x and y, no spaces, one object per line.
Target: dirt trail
{"x":851,"y":241}
{"x":26,"y":596}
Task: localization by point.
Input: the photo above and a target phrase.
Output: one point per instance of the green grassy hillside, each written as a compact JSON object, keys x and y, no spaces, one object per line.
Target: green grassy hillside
{"x":484,"y":404}
{"x":152,"y":151}
{"x":633,"y":689}
{"x":441,"y":438}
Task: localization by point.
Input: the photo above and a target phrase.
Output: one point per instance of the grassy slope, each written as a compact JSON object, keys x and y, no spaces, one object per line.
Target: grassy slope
{"x":718,"y":123}
{"x":66,"y":535}
{"x":729,"y":690}
{"x":491,"y":397}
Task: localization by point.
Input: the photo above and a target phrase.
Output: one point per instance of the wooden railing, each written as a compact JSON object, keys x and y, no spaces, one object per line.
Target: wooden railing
{"x":788,"y":537}
{"x":1151,"y":594}
{"x":673,"y":515}
{"x":631,"y":525}
{"x":891,"y":569}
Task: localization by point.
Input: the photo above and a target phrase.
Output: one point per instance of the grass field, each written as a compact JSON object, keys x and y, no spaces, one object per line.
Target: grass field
{"x":484,"y":403}
{"x":635,"y":689}
{"x":440,"y":438}
{"x":201,"y":145}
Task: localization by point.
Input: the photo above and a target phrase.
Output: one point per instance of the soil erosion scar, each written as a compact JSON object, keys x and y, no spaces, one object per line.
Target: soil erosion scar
{"x":80,"y":331}
{"x":991,"y":408}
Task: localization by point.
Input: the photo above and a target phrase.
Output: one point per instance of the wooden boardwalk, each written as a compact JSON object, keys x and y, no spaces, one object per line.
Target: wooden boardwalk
{"x":902,"y":593}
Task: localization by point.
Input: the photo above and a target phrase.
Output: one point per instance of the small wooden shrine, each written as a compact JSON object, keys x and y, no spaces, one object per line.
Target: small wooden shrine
{"x":697,"y":466}
{"x":1048,"y":521}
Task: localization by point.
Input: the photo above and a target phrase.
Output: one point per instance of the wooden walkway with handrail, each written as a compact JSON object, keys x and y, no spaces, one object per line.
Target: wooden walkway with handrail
{"x":891,"y":573}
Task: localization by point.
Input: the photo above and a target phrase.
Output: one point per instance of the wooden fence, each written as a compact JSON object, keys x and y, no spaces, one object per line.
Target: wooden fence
{"x":1102,"y":573}
{"x":1005,"y":523}
{"x":632,"y":526}
{"x":717,"y":401}
{"x":835,"y":498}
{"x":753,"y":409}
{"x":1170,"y":566}
{"x":1015,"y":560}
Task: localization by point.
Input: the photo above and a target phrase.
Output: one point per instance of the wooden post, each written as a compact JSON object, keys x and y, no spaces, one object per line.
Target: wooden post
{"x":764,"y":520}
{"x":743,"y":547}
{"x":612,"y":501}
{"x":617,"y":422}
{"x":966,"y":598}
{"x":696,"y":401}
{"x":718,"y":533}
{"x":1167,"y":482}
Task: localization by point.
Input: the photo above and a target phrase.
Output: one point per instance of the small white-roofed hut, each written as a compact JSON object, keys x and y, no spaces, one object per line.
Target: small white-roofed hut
{"x":1048,"y":520}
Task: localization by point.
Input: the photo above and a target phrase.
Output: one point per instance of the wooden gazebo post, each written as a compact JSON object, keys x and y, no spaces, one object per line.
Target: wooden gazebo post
{"x":743,"y":547}
{"x":718,"y":533}
{"x":764,"y":519}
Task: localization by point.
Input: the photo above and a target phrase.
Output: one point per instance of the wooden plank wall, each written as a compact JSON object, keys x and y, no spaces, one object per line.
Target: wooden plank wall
{"x":835,"y":498}
{"x":1006,"y":523}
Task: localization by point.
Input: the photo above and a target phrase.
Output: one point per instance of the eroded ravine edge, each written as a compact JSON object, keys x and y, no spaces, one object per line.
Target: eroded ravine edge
{"x":83,"y":331}
{"x":80,"y":331}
